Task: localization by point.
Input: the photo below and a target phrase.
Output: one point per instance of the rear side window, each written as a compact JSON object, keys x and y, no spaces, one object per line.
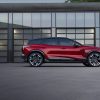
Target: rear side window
{"x":36,"y":41}
{"x":52,"y":41}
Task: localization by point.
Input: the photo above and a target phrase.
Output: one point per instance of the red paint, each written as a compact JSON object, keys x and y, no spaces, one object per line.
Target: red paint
{"x":51,"y":51}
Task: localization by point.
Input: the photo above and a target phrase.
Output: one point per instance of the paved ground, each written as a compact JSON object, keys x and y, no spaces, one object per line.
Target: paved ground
{"x":20,"y":82}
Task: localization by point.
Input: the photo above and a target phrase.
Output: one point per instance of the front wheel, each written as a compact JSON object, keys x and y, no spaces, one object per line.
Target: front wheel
{"x":94,"y":59}
{"x":35,"y":59}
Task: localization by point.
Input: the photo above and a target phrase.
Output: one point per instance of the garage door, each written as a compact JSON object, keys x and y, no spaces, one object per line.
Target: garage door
{"x":21,"y":37}
{"x":3,"y":45}
{"x":84,"y":36}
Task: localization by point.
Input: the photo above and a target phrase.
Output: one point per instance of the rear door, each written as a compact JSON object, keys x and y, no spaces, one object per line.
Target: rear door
{"x":51,"y":48}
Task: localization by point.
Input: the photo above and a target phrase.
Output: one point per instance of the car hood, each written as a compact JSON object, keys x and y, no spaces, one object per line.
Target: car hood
{"x":92,"y":47}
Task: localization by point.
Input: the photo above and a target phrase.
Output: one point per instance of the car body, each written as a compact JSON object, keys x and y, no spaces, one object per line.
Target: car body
{"x":60,"y":50}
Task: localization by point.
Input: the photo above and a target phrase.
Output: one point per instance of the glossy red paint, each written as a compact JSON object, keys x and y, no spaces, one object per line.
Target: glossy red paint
{"x":60,"y":52}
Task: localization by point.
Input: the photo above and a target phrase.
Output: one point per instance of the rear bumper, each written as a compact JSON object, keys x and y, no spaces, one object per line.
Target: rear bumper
{"x":24,"y":58}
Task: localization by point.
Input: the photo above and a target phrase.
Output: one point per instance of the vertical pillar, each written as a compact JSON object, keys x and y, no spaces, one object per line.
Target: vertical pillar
{"x":10,"y":39}
{"x":53,"y":21}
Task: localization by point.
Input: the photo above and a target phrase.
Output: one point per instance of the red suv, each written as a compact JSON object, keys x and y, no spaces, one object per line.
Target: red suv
{"x":59,"y":49}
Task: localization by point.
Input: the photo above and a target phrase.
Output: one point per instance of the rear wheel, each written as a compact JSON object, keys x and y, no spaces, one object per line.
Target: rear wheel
{"x":94,"y":59}
{"x":35,"y":59}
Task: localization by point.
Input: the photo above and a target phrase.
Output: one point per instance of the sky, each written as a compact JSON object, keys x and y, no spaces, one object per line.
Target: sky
{"x":31,"y":1}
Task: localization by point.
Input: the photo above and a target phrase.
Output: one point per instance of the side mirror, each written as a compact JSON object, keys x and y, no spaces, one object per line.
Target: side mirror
{"x":76,"y":45}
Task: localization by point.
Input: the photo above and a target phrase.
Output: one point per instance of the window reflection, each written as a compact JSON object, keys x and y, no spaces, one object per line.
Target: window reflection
{"x":70,"y":19}
{"x":3,"y":19}
{"x":89,"y":20}
{"x":79,"y":19}
{"x":89,"y":30}
{"x":27,"y":19}
{"x":60,"y":19}
{"x":36,"y":20}
{"x":17,"y":19}
{"x":45,"y":19}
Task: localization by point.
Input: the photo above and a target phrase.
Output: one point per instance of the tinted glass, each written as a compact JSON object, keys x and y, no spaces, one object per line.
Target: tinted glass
{"x":52,"y":41}
{"x":66,"y":42}
{"x":35,"y":41}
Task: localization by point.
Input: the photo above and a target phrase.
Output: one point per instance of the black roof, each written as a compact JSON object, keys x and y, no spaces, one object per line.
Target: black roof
{"x":52,"y":7}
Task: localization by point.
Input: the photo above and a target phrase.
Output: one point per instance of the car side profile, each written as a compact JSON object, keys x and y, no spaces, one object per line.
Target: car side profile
{"x":58,"y":49}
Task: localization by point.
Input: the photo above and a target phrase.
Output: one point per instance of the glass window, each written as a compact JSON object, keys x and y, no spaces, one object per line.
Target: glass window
{"x":89,"y":41}
{"x":35,"y":36}
{"x":79,"y":30}
{"x":61,"y":30}
{"x":3,"y":47}
{"x":52,"y":41}
{"x":27,"y":36}
{"x":60,"y":19}
{"x":97,"y":43}
{"x":79,"y":36}
{"x":36,"y":31}
{"x":70,"y":19}
{"x":70,"y":30}
{"x":89,"y":30}
{"x":80,"y":41}
{"x":45,"y":19}
{"x":89,"y":20}
{"x":27,"y":19}
{"x":71,"y":36}
{"x":66,"y":42}
{"x":25,"y":42}
{"x":3,"y":19}
{"x":53,"y":32}
{"x":61,"y":35}
{"x":97,"y":19}
{"x":3,"y":36}
{"x":17,"y":53}
{"x":53,"y":19}
{"x":79,"y":19}
{"x":18,"y":42}
{"x":46,"y":35}
{"x":28,"y":31}
{"x":46,"y":31}
{"x":18,"y":31}
{"x":97,"y":33}
{"x":18,"y":36}
{"x":89,"y":36}
{"x":17,"y":19}
{"x":3,"y":31}
{"x":36,"y":20}
{"x":3,"y":42}
{"x":36,"y":41}
{"x":18,"y":48}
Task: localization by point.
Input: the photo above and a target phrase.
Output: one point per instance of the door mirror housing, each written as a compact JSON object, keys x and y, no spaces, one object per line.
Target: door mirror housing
{"x":76,"y":45}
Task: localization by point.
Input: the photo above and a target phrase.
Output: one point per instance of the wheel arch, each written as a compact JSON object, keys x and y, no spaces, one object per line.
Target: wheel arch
{"x":39,"y":51}
{"x":91,"y":52}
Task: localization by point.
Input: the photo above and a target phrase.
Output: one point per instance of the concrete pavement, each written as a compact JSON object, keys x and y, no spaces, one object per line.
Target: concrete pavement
{"x":56,"y":82}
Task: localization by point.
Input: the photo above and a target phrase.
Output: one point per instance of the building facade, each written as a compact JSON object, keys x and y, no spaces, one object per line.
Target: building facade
{"x":21,"y":22}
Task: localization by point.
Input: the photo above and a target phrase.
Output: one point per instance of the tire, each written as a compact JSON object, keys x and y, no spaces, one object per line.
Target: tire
{"x":93,"y":59}
{"x":35,"y":59}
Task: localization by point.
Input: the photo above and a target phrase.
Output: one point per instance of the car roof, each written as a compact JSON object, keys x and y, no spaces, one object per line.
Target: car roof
{"x":50,"y":38}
